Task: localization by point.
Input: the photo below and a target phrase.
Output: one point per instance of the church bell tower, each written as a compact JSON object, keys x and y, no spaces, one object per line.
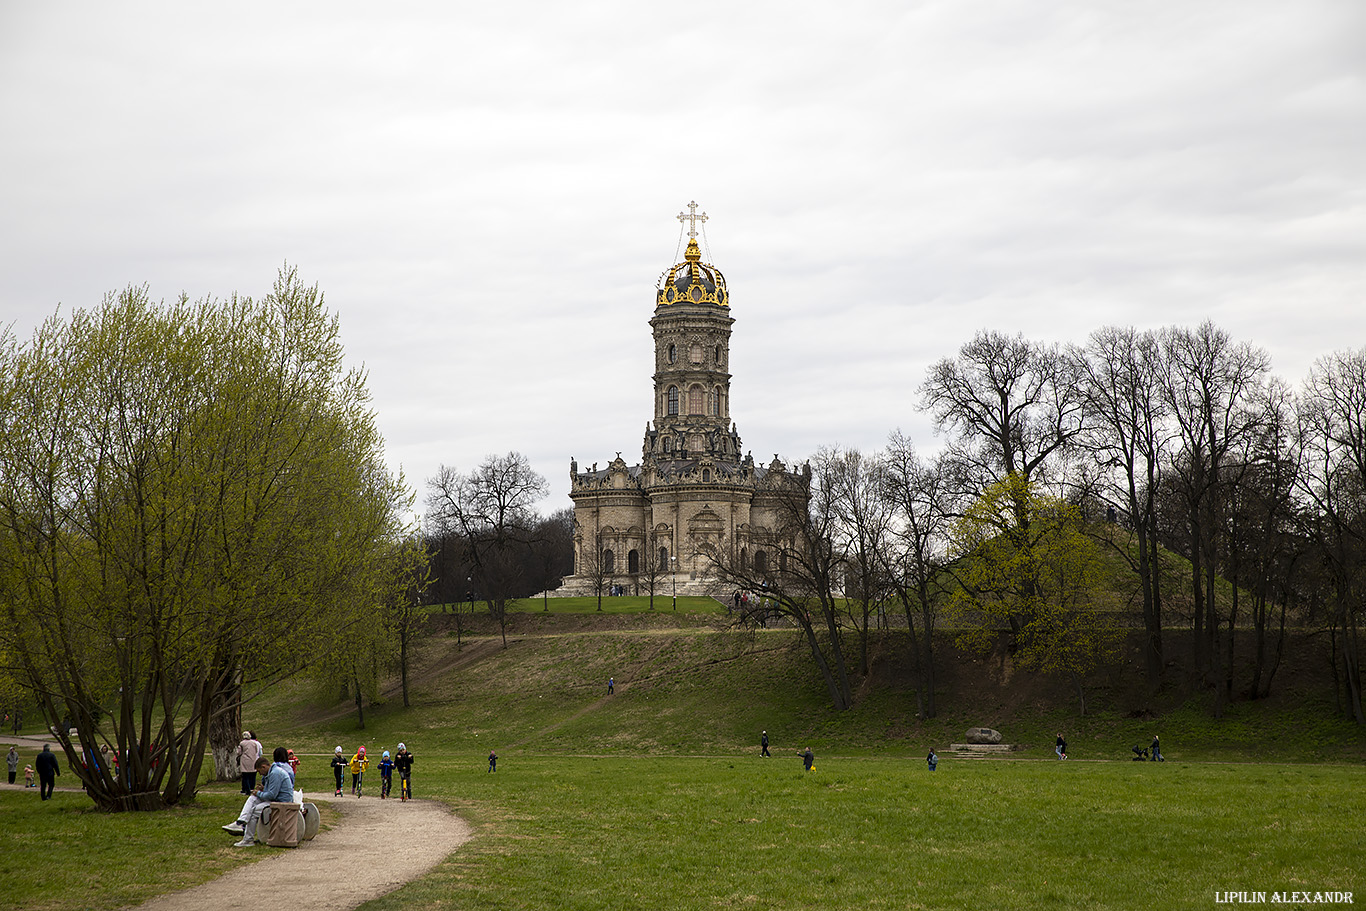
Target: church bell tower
{"x":691,"y":327}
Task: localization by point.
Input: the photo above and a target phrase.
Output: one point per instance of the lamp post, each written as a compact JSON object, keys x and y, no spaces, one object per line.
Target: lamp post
{"x":675,"y":575}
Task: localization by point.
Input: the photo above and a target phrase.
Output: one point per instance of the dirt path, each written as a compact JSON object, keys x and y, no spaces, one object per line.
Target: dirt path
{"x":323,"y":874}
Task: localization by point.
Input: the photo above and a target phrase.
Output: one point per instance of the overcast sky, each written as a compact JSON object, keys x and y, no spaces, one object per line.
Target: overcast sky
{"x":487,"y":192}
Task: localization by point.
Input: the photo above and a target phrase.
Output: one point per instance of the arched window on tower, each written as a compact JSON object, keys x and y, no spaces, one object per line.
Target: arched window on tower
{"x":673,"y":353}
{"x":668,"y":444}
{"x":717,"y":359}
{"x":695,"y":396}
{"x":633,"y":562}
{"x":664,"y":559}
{"x":716,"y":401}
{"x":673,"y":400}
{"x":760,"y":561}
{"x":609,"y":562}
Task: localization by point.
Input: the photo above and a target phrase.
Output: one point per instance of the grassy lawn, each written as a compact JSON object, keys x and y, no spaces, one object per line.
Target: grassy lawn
{"x":625,"y":833}
{"x":63,"y":854}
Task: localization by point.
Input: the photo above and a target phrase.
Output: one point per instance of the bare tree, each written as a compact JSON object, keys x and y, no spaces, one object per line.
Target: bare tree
{"x":552,"y":551}
{"x":802,"y":582}
{"x":1332,"y":433}
{"x":1210,"y":384}
{"x":860,"y":534}
{"x":1128,"y":435}
{"x":491,"y":508}
{"x":921,"y":503}
{"x":1011,"y":405}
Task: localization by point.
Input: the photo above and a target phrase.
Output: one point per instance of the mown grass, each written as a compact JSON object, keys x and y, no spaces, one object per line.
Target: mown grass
{"x":655,"y":796}
{"x":643,"y":833}
{"x":63,"y":854}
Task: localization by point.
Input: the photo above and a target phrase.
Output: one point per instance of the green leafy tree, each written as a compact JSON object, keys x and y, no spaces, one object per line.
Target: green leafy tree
{"x":189,"y":493}
{"x":1039,"y":578}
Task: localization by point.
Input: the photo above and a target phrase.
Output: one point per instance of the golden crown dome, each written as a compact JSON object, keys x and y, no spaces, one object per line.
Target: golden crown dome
{"x":692,"y":281}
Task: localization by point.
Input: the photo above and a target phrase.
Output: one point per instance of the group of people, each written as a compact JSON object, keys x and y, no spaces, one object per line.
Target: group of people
{"x":47,"y":769}
{"x":359,"y":763}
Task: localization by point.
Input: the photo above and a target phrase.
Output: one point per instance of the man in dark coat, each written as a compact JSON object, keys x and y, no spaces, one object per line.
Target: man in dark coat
{"x":47,"y":772}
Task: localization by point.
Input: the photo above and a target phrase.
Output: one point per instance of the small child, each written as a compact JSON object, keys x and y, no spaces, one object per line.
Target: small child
{"x":28,"y":776}
{"x":386,"y":775}
{"x":358,"y":766}
{"x":403,"y":761}
{"x":338,"y":767}
{"x":293,"y":761}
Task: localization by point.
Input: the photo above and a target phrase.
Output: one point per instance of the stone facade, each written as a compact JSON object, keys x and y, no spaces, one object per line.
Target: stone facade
{"x":693,"y":494}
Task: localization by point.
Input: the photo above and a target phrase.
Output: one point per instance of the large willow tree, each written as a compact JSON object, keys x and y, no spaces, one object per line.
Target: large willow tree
{"x":192,"y":504}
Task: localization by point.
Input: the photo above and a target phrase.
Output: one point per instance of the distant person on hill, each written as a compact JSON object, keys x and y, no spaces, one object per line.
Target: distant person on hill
{"x":932,"y":760}
{"x":493,"y":761}
{"x":611,"y":686}
{"x":47,"y":772}
{"x":1156,"y":751}
{"x":808,"y":759}
{"x":1061,"y":747}
{"x":338,"y":769}
{"x":403,"y":762}
{"x":12,"y":760}
{"x":763,"y":745}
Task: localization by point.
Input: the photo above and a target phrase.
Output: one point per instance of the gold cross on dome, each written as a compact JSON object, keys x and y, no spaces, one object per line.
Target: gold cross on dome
{"x":693,"y":217}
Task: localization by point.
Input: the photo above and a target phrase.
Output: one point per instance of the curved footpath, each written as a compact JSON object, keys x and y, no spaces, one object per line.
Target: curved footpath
{"x":323,"y":874}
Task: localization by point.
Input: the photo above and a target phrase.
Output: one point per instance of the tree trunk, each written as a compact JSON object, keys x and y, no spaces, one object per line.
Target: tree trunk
{"x":225,"y":733}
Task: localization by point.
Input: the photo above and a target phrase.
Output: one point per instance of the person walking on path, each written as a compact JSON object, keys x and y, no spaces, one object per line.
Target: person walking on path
{"x":611,"y":686}
{"x":763,"y":744}
{"x":493,"y":761}
{"x":932,"y":760}
{"x":1061,"y":747}
{"x":386,"y":775}
{"x":248,"y":752}
{"x":12,"y":760}
{"x":359,"y":763}
{"x":1156,"y":751}
{"x":47,"y":772}
{"x":403,"y":762}
{"x":338,"y":769}
{"x":808,"y":759}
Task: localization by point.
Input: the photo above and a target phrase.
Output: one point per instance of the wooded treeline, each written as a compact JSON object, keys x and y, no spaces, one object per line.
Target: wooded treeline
{"x":1176,"y":440}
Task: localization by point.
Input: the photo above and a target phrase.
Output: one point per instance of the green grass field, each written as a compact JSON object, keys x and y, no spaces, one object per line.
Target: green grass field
{"x":656,"y":798}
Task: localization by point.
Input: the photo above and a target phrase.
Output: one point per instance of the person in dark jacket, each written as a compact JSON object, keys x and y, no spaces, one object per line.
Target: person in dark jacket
{"x":403,"y":764}
{"x":47,"y":772}
{"x":808,"y":759}
{"x":763,"y":745}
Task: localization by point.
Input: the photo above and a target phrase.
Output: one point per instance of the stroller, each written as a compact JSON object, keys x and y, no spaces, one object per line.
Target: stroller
{"x":1140,"y":753}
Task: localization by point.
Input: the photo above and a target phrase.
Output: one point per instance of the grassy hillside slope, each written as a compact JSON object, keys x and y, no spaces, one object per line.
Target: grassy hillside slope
{"x":688,"y":683}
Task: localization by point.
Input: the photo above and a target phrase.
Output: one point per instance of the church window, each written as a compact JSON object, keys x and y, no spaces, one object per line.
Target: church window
{"x":706,"y":474}
{"x":760,"y":561}
{"x":695,"y":354}
{"x":633,"y":562}
{"x":668,"y":444}
{"x":664,"y":559}
{"x":744,"y":558}
{"x":716,"y":401}
{"x":609,"y":561}
{"x":673,"y":400}
{"x":782,"y":561}
{"x":673,"y":353}
{"x":695,"y":400}
{"x":717,"y":358}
